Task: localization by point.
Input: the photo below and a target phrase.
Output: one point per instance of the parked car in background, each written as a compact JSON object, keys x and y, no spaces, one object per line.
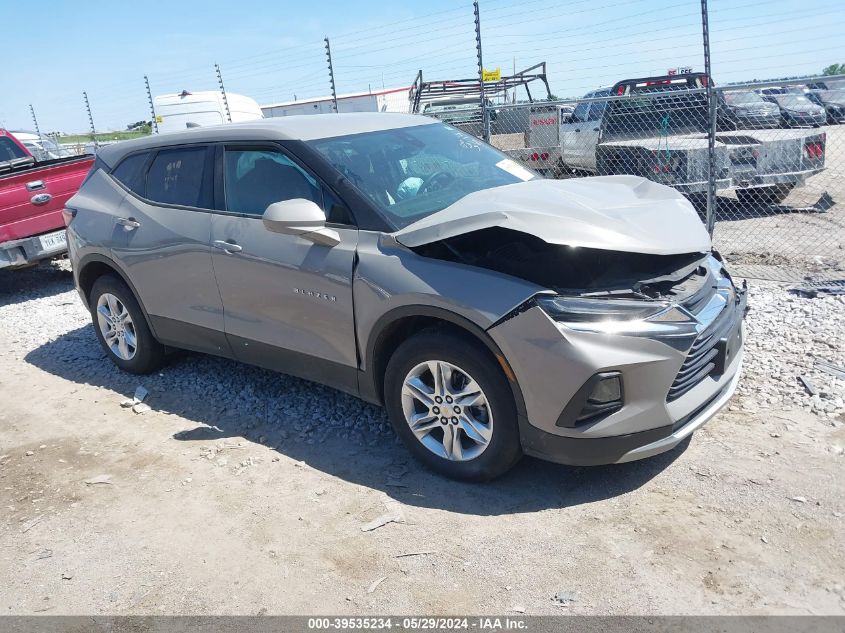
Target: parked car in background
{"x":491,"y":311}
{"x":41,"y":147}
{"x":658,"y":130}
{"x":745,"y":109}
{"x":462,"y":112}
{"x":833,"y":102}
{"x":33,"y":193}
{"x":828,"y":84}
{"x":179,"y":111}
{"x":796,"y":110}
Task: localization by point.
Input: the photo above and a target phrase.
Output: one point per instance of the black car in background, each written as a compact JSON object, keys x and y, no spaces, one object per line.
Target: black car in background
{"x":833,"y":102}
{"x":796,"y":110}
{"x":745,"y":109}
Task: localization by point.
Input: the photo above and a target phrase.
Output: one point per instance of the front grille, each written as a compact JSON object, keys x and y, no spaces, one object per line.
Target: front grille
{"x":701,"y":358}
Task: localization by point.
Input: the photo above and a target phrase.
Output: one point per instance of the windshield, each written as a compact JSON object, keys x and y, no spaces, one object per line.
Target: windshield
{"x":744,"y":98}
{"x":793,"y":101}
{"x":410,"y":173}
{"x":833,"y":96}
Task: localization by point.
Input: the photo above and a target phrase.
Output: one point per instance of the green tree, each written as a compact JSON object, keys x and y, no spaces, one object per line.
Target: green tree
{"x":834,"y":69}
{"x":139,"y":126}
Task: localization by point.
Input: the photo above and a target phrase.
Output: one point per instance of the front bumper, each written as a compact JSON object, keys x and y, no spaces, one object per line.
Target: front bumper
{"x":29,"y":250}
{"x":552,"y":362}
{"x":754,"y":122}
{"x":750,"y":181}
{"x":804,"y":120}
{"x":624,"y":448}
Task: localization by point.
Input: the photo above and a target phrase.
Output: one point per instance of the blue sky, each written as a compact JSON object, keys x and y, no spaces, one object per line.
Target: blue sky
{"x":274,"y":50}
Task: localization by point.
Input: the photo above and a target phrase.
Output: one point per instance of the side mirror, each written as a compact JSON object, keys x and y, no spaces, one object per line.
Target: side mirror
{"x":300,"y":217}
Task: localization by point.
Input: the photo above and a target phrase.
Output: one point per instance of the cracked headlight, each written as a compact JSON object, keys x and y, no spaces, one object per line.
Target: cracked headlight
{"x":614,"y":315}
{"x":581,"y":310}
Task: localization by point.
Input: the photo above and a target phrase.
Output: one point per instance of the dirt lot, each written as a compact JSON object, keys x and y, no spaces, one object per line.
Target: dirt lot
{"x":230,"y":497}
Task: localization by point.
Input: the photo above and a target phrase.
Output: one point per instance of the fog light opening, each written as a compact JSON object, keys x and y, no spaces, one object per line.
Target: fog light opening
{"x":607,"y":390}
{"x":604,"y":396}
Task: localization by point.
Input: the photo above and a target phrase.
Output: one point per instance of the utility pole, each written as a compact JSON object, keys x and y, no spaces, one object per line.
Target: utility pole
{"x":711,"y":123}
{"x":152,"y":106}
{"x":485,"y":116}
{"x":223,"y":91}
{"x":331,"y":72}
{"x":91,"y":121}
{"x":34,"y":120}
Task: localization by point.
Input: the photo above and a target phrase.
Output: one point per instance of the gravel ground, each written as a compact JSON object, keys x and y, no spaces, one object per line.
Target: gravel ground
{"x":246,"y":491}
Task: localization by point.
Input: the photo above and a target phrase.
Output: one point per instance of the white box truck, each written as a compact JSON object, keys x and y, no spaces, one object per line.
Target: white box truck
{"x":389,"y":100}
{"x":178,"y":111}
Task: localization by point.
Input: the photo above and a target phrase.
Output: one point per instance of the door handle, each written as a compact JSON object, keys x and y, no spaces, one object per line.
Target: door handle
{"x":595,"y":129}
{"x":41,"y":198}
{"x":577,"y":129}
{"x":35,"y":184}
{"x":228,"y":247}
{"x":128,"y":224}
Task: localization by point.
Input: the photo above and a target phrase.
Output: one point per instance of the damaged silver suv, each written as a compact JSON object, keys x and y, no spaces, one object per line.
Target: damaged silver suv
{"x":492,"y":312}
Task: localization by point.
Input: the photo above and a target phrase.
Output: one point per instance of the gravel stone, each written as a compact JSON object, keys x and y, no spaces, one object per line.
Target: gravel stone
{"x":785,"y":336}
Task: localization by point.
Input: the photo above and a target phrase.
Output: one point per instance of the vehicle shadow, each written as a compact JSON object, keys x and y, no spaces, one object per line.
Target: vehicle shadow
{"x":732,"y":210}
{"x":329,"y":431}
{"x":33,"y":283}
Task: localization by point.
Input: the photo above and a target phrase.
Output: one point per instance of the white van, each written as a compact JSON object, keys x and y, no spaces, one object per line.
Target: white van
{"x":181,"y":110}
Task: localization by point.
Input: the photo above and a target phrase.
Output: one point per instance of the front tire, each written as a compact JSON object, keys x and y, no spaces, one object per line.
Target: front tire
{"x":121,"y":327}
{"x":452,"y":406}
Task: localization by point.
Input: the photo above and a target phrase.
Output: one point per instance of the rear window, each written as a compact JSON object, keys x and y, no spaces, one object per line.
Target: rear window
{"x":9,"y":150}
{"x":176,"y":177}
{"x":130,"y":172}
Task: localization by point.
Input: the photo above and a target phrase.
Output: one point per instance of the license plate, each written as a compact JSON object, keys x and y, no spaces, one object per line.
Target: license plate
{"x":52,"y":241}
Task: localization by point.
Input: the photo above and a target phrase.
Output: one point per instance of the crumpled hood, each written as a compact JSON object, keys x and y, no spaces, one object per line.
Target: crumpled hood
{"x":618,"y":213}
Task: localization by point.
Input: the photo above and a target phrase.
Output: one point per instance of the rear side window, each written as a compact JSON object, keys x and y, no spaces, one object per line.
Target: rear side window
{"x":581,"y":110}
{"x":130,"y":172}
{"x":598,"y":107}
{"x":9,"y":150}
{"x":177,"y":177}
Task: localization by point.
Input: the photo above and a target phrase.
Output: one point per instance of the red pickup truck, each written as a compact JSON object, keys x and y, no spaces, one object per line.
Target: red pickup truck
{"x":32,"y":196}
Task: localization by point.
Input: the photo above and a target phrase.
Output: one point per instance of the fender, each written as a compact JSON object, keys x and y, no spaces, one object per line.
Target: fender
{"x":371,"y":391}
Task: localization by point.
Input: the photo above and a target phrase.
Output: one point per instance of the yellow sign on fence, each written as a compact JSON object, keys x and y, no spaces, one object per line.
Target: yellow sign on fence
{"x":491,"y":75}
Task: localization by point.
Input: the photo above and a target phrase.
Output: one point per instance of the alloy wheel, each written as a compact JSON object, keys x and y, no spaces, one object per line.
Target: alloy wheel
{"x":447,"y":410}
{"x":116,"y":326}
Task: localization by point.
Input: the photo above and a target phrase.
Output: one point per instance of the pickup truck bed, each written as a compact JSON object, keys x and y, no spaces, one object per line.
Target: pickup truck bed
{"x":32,"y":196}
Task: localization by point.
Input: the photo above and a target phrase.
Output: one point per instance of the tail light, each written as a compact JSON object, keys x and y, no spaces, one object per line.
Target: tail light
{"x":68,"y":215}
{"x":535,"y":156}
{"x":544,"y":156}
{"x":814,"y":150}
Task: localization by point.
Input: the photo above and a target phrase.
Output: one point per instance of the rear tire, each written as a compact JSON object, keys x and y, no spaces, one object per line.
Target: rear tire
{"x":121,"y":327}
{"x":479,"y":439}
{"x":764,"y":196}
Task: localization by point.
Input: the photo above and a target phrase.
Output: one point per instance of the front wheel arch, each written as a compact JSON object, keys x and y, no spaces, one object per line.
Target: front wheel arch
{"x":399,"y":324}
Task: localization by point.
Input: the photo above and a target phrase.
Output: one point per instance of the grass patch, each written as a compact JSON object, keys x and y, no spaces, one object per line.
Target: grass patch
{"x":81,"y":139}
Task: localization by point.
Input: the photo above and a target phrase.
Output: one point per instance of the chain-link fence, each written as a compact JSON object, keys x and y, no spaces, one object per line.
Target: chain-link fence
{"x":777,"y":162}
{"x":763,"y":162}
